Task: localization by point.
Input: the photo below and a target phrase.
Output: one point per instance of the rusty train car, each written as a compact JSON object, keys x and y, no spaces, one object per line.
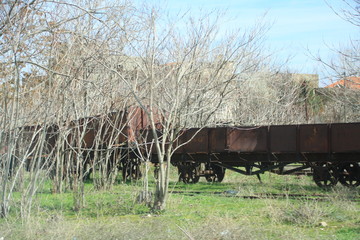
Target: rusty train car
{"x":332,"y":151}
{"x":20,"y":146}
{"x":110,"y":137}
{"x":113,"y":138}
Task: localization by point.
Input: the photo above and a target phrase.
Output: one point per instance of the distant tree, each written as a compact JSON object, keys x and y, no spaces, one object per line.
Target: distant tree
{"x":346,"y":61}
{"x":269,"y":97}
{"x":342,"y":105}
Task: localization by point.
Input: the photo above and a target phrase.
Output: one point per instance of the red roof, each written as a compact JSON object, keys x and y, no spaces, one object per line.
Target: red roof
{"x":349,"y":82}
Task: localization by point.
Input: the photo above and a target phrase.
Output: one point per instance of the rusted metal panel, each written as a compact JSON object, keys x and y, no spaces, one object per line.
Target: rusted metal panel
{"x":283,"y":139}
{"x":247,"y":139}
{"x":136,"y":119}
{"x":345,"y":137}
{"x":179,"y":141}
{"x":313,"y":138}
{"x":52,"y":135}
{"x":217,"y":139}
{"x":148,"y":140}
{"x":198,"y":141}
{"x":33,"y":138}
{"x":90,"y":128}
{"x":100,"y":131}
{"x":115,"y":131}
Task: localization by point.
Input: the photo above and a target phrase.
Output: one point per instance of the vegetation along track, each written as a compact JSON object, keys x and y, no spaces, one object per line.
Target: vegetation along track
{"x":233,"y":193}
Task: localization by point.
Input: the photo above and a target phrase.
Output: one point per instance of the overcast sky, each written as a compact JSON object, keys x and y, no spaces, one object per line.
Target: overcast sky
{"x":297,"y":24}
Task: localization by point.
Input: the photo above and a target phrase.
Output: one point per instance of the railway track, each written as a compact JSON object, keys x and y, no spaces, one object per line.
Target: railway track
{"x":236,"y":194}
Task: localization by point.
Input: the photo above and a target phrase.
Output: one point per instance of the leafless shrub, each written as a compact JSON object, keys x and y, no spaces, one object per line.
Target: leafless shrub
{"x":309,"y":213}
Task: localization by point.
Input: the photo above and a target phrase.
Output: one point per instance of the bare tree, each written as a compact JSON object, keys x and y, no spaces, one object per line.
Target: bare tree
{"x":184,"y":71}
{"x":272,"y":97}
{"x":345,"y":62}
{"x":50,"y":76}
{"x":76,"y":65}
{"x":16,"y":18}
{"x":342,"y":104}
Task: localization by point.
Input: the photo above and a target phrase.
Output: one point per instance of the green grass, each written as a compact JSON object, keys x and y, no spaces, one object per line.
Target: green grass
{"x":115,"y":214}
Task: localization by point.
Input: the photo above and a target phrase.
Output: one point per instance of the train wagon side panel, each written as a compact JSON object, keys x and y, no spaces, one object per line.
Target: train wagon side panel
{"x":283,"y":139}
{"x":247,"y":140}
{"x":314,"y":138}
{"x":197,"y":139}
{"x":345,"y":138}
{"x":136,"y":120}
{"x":115,"y":131}
{"x":217,"y":140}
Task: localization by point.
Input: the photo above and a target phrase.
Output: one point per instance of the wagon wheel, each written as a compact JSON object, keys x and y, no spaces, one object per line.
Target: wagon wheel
{"x":349,"y":174}
{"x":221,"y":175}
{"x":325,"y":176}
{"x":135,"y":173}
{"x":218,"y":176}
{"x":131,"y":170}
{"x":195,"y":176}
{"x":156,"y":172}
{"x":211,"y":178}
{"x":189,"y":174}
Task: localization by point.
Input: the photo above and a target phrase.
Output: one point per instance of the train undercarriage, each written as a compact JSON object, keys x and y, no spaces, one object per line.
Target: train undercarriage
{"x":325,"y":174}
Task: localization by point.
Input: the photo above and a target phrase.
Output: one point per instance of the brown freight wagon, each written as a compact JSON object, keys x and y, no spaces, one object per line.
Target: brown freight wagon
{"x":84,"y":144}
{"x":113,"y":137}
{"x":332,"y":151}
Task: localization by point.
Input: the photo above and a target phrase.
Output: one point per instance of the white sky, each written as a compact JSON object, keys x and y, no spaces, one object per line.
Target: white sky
{"x":297,"y":25}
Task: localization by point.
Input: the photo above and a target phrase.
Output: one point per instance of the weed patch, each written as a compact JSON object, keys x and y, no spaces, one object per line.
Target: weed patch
{"x":116,"y":214}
